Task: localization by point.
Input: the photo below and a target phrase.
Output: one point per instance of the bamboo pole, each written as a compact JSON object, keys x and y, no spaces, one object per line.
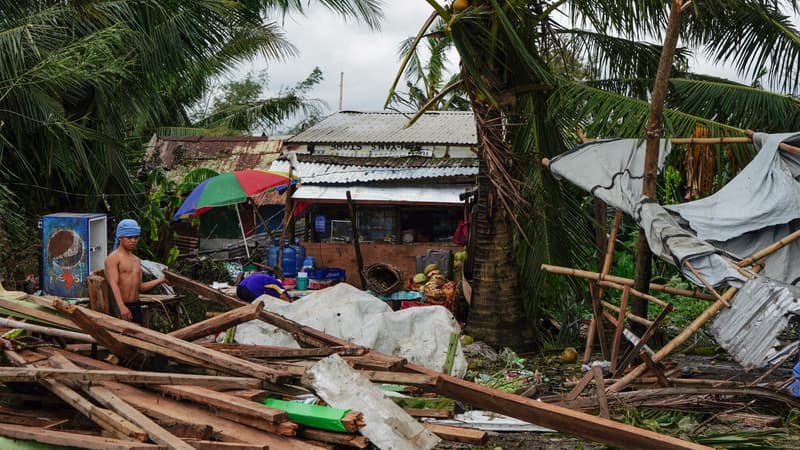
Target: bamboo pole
{"x":609,"y":258}
{"x":761,"y":254}
{"x":625,"y":281}
{"x":679,"y":339}
{"x":631,"y":316}
{"x":733,"y":140}
{"x":706,"y":283}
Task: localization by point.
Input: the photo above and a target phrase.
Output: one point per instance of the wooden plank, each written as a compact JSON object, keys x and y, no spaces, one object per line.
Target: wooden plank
{"x":221,"y":401}
{"x":434,"y":413}
{"x":88,"y":325}
{"x":580,"y":386}
{"x":218,"y":323}
{"x":270,"y":351}
{"x":198,"y":352}
{"x":215,"y":445}
{"x":286,"y":428}
{"x":648,"y":333}
{"x":411,"y":379}
{"x":457,"y":434}
{"x":254,"y":395}
{"x":565,"y":420}
{"x":203,"y":290}
{"x":600,"y":389}
{"x":165,"y":409}
{"x":615,"y":343}
{"x":106,"y":419}
{"x":98,"y":294}
{"x":33,"y":374}
{"x":62,"y":438}
{"x":155,"y":432}
{"x":42,"y":316}
{"x":656,"y":368}
{"x":331,"y":437}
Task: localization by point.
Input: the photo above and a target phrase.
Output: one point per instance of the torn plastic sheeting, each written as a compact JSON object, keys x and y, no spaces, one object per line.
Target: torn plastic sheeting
{"x":489,"y":421}
{"x":388,"y":426}
{"x":421,"y":335}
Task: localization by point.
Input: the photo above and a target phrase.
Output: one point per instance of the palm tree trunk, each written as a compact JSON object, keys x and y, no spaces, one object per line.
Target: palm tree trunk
{"x":496,"y":314}
{"x":654,"y":133}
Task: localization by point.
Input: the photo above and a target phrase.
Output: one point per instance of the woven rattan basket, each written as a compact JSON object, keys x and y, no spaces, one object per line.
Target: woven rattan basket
{"x":383,"y":279}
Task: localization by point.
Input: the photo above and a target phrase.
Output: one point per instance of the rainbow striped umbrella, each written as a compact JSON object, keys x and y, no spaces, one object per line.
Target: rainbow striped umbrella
{"x":228,"y":189}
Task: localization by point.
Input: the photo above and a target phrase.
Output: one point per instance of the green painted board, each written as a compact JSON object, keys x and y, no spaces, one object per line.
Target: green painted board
{"x":315,"y":416}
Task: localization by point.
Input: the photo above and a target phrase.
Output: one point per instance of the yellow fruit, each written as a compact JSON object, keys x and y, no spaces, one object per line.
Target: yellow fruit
{"x":466,"y":339}
{"x":459,"y":5}
{"x":429,"y":268}
{"x":569,"y":355}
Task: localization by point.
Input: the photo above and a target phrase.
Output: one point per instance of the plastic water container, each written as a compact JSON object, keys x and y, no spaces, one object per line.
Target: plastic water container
{"x":272,"y":253}
{"x":308,"y":264}
{"x":289,"y":261}
{"x":299,"y":254}
{"x":302,"y":281}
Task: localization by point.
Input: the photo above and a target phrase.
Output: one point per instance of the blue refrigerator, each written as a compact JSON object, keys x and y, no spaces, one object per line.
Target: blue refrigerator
{"x":73,"y":246}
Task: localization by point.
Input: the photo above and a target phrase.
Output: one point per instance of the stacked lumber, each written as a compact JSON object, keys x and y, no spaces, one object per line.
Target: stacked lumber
{"x":209,"y":395}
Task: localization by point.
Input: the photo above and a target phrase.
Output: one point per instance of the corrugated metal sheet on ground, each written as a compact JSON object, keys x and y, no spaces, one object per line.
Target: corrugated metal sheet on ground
{"x":320,"y":173}
{"x":434,"y":195}
{"x":434,"y":127}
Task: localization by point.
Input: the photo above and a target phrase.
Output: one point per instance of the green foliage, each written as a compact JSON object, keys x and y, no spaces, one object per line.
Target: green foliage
{"x":659,"y":421}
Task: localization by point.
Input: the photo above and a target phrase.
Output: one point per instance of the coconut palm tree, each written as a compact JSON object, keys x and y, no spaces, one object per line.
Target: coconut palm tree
{"x":81,"y":84}
{"x":525,"y":111}
{"x":428,"y":83}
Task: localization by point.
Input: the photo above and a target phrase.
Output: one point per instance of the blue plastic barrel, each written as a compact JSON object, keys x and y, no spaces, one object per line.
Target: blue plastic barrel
{"x":289,"y":261}
{"x":272,"y":253}
{"x":299,"y":254}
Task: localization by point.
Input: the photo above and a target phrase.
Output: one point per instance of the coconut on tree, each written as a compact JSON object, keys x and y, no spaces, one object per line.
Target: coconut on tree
{"x":527,"y":108}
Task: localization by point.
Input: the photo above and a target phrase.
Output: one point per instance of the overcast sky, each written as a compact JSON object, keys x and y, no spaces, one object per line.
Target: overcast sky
{"x":367,"y":58}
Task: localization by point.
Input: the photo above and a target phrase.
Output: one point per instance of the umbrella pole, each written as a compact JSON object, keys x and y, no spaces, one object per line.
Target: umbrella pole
{"x":241,"y":227}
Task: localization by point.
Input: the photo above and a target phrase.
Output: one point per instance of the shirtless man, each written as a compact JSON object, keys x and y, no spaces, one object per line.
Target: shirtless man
{"x":124,"y":272}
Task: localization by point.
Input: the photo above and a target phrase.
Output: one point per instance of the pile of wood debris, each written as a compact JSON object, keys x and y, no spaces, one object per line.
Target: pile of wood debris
{"x":210,"y":396}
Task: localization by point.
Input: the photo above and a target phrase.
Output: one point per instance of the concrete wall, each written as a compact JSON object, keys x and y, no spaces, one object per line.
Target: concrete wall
{"x":401,"y":256}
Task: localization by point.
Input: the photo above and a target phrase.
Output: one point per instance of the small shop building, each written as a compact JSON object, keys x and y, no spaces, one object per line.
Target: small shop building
{"x":407,"y":184}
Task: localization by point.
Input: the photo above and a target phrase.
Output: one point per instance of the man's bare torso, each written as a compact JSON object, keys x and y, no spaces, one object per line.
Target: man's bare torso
{"x":130,"y":274}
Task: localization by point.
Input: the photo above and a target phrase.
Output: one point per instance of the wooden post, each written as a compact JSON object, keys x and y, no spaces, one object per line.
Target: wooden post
{"x":654,"y":134}
{"x":608,"y":259}
{"x":623,"y":305}
{"x":359,"y":261}
{"x":598,"y":319}
{"x":288,"y":212}
{"x":98,"y":298}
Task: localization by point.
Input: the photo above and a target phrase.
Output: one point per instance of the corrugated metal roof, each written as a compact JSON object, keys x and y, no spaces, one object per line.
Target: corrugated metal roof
{"x":179,"y":155}
{"x":434,"y":127}
{"x":321,"y":173}
{"x":406,"y":161}
{"x":432,"y":195}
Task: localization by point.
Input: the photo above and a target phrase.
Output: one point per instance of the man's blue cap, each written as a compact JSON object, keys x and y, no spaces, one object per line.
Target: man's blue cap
{"x":126,"y":228}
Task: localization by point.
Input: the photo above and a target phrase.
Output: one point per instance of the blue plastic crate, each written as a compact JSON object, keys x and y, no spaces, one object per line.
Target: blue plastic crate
{"x":327,"y":274}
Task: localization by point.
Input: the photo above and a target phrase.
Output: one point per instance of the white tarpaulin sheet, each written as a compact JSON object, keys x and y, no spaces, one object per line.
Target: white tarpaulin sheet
{"x":756,"y":208}
{"x":421,"y":335}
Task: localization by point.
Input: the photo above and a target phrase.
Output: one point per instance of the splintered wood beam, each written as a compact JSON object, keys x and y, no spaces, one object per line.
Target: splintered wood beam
{"x":95,"y":329}
{"x":33,"y":374}
{"x":270,"y":352}
{"x":203,"y":290}
{"x":332,"y":437}
{"x":62,"y":438}
{"x":457,"y":434}
{"x":212,"y":358}
{"x":286,"y":428}
{"x":106,"y":419}
{"x":218,"y":323}
{"x":221,"y":401}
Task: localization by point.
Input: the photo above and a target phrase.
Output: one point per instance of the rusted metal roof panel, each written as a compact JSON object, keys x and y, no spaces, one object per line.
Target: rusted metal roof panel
{"x":179,"y":155}
{"x":321,"y":173}
{"x":434,"y":127}
{"x":409,"y":161}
